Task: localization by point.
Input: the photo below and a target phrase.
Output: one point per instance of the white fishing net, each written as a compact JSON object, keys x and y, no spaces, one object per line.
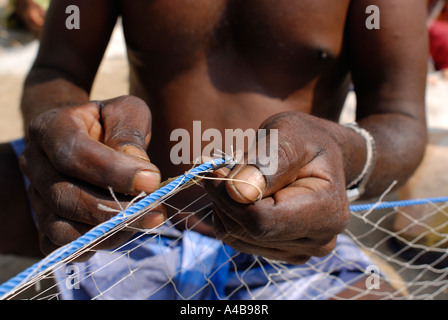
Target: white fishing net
{"x":165,"y":263}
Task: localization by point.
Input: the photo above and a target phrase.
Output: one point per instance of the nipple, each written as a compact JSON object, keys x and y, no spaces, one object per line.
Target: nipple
{"x":323,"y":55}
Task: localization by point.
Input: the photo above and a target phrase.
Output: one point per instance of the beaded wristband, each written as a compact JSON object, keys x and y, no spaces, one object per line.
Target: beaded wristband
{"x":356,"y":188}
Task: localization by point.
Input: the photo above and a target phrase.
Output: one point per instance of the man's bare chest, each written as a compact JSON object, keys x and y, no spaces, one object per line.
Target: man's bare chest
{"x":265,"y":29}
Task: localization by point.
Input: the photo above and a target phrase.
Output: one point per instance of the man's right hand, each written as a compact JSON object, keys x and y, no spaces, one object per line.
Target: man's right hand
{"x":75,"y":154}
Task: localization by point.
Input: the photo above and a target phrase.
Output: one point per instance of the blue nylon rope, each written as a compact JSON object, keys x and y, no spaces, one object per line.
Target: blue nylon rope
{"x":94,"y":234}
{"x":396,"y":204}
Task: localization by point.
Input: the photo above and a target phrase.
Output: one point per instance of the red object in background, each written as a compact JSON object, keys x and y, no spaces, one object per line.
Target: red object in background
{"x":438,"y":39}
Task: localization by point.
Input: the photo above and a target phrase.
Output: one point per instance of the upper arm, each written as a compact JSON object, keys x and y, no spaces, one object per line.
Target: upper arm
{"x":76,"y":54}
{"x":389,"y":64}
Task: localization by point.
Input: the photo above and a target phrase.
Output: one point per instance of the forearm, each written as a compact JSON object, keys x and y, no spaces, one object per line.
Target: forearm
{"x":46,"y":89}
{"x":67,"y":60}
{"x":400,"y":142}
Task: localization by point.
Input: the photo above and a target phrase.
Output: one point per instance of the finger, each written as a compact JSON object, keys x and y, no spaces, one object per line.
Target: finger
{"x":67,"y":141}
{"x":293,"y":252}
{"x":271,"y":164}
{"x":80,"y":202}
{"x":57,"y":231}
{"x":291,"y":248}
{"x":266,"y":250}
{"x":67,"y":197}
{"x":47,"y":247}
{"x":127,"y":125}
{"x":269,"y":253}
{"x":308,"y":208}
{"x":224,"y":226}
{"x":154,"y":218}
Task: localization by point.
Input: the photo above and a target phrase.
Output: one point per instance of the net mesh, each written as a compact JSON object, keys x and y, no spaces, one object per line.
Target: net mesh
{"x":415,"y":256}
{"x":394,"y":252}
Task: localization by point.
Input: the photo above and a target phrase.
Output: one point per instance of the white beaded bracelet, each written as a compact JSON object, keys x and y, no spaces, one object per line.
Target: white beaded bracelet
{"x":356,"y":188}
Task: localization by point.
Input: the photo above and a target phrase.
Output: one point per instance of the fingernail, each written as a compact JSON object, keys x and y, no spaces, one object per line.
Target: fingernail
{"x":135,"y":151}
{"x":249,"y":191}
{"x":146,"y":181}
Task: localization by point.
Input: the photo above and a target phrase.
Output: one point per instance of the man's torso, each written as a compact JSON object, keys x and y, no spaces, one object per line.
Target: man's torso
{"x":232,"y":64}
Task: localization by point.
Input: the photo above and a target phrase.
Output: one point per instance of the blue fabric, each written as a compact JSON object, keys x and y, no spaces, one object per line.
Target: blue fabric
{"x":193,"y":266}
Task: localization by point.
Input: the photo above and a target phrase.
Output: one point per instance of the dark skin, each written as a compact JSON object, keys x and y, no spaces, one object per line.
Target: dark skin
{"x":230,"y":64}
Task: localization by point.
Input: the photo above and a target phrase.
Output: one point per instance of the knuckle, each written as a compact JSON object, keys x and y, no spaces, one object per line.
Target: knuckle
{"x":34,"y":128}
{"x":40,"y":123}
{"x":66,"y":199}
{"x":70,"y":203}
{"x":129,"y":136}
{"x":44,"y":132}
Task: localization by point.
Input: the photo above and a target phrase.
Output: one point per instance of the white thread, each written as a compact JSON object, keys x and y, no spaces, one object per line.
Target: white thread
{"x":260,"y":192}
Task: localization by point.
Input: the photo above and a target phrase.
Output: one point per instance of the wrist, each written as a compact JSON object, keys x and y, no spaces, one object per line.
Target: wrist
{"x":40,"y":95}
{"x":356,"y":186}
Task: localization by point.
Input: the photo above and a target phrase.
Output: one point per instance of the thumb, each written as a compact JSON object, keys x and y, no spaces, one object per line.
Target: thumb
{"x":249,"y":182}
{"x":127,"y":128}
{"x":246,"y":184}
{"x":270,"y":165}
{"x":127,"y":125}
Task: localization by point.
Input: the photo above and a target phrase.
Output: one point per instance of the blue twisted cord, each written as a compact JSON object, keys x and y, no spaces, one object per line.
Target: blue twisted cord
{"x":88,"y":238}
{"x":396,"y":204}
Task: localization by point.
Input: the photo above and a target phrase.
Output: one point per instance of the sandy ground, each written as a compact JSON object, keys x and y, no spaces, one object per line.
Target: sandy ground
{"x":17,"y":57}
{"x":17,"y":51}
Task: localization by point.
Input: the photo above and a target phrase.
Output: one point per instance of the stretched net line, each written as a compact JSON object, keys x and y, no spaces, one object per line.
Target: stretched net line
{"x":167,"y":263}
